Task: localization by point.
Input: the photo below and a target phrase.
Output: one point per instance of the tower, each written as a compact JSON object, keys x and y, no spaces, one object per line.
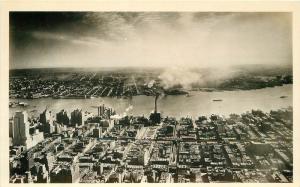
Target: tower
{"x":62,"y":117}
{"x":20,"y":128}
{"x":76,"y":118}
{"x":46,"y":119}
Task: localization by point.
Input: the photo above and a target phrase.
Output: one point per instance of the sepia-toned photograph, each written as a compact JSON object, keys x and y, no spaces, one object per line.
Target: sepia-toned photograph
{"x":150,"y":97}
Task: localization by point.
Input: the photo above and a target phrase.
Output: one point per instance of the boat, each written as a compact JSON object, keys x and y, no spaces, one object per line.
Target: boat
{"x":23,"y":104}
{"x":284,"y":96}
{"x":217,"y":100}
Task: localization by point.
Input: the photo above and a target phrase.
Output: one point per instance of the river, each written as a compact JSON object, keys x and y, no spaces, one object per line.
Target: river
{"x":198,"y":103}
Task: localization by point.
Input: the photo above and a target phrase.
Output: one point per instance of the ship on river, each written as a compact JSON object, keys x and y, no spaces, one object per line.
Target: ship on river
{"x":217,"y":100}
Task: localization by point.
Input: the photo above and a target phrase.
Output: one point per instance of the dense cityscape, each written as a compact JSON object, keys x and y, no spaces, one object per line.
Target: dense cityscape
{"x":150,"y":96}
{"x":108,"y":148}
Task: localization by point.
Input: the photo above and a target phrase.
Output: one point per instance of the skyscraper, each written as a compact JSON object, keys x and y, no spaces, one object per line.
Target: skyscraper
{"x":21,"y":128}
{"x":76,"y":118}
{"x":21,"y":135}
{"x":46,"y":119}
{"x":45,"y":116}
{"x":62,"y":117}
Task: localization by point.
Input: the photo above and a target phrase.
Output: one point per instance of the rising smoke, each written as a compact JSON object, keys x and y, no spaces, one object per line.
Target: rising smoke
{"x":186,"y":78}
{"x":179,"y":76}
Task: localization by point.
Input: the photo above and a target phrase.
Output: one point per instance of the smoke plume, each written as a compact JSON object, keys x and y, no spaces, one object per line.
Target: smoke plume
{"x":186,"y":78}
{"x":179,"y":76}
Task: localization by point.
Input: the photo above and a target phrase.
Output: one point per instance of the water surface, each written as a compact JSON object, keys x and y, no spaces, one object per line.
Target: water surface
{"x":199,"y":103}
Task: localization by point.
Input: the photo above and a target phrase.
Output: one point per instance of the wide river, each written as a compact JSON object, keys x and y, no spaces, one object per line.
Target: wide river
{"x":198,"y":103}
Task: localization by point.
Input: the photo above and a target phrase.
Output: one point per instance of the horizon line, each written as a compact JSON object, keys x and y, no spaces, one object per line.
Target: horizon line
{"x":147,"y":67}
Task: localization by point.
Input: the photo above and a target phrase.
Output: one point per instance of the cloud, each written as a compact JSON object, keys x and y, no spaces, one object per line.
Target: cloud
{"x":67,"y":38}
{"x":114,"y":39}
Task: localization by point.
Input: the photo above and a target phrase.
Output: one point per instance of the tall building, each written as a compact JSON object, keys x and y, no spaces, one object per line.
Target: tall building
{"x":46,"y":116}
{"x":11,"y":128}
{"x":46,"y":119}
{"x":101,"y":110}
{"x":105,"y":112}
{"x":62,"y":117}
{"x":21,"y":128}
{"x":76,"y":118}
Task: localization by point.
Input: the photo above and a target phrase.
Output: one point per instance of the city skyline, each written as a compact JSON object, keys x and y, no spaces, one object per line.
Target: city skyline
{"x":144,"y":39}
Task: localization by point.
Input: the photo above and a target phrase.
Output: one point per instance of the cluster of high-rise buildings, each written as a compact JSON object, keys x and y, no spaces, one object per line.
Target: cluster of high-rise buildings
{"x":108,"y":148}
{"x":23,"y":133}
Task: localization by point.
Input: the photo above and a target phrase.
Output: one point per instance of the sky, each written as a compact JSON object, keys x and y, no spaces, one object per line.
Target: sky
{"x":149,"y":39}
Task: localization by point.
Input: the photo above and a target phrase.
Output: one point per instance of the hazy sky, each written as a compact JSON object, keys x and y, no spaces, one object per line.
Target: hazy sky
{"x":114,"y":39}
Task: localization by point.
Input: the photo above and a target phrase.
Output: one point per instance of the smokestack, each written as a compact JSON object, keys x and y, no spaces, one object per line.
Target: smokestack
{"x":155,"y":104}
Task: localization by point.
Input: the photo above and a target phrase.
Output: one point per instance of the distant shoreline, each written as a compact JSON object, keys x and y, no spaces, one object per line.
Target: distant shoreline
{"x":128,"y":97}
{"x":129,"y":82}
